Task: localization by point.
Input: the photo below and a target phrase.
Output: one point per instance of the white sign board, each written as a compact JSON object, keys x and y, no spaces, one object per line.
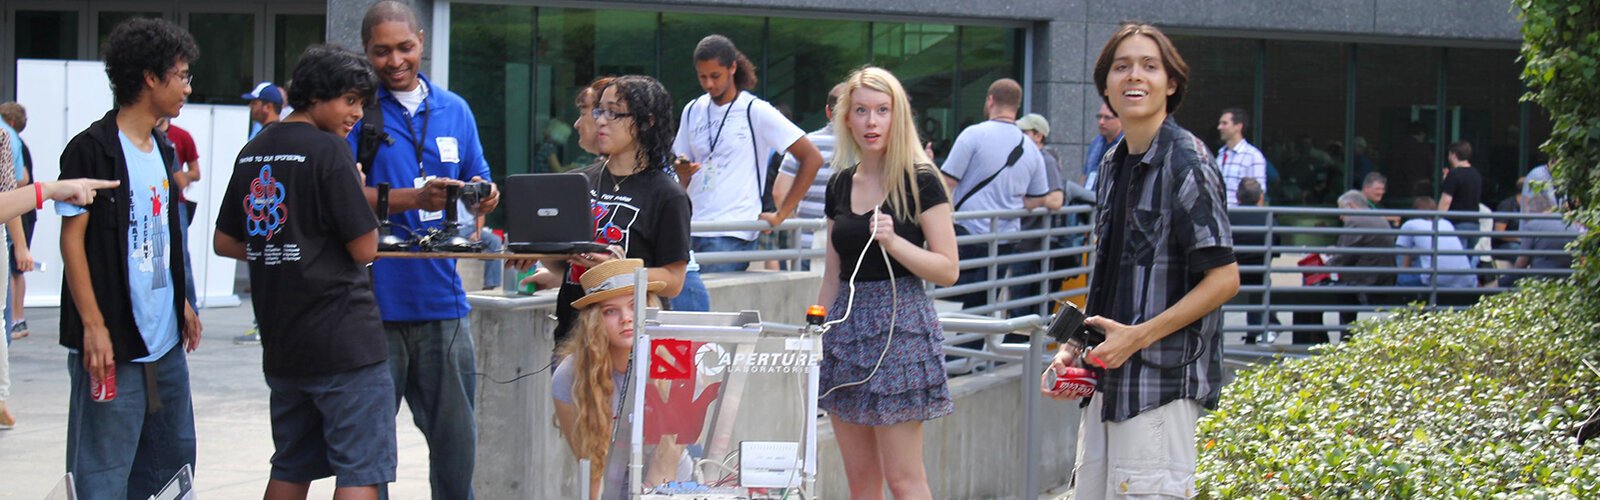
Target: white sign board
{"x":62,"y":99}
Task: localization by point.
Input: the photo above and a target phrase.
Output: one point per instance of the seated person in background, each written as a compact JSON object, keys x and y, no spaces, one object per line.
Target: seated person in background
{"x":593,"y":368}
{"x":1249,"y":195}
{"x":1355,"y":200}
{"x":1539,"y":205}
{"x":1446,"y":246}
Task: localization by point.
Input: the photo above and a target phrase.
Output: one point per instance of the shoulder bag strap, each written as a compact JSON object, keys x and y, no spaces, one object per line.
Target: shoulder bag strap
{"x":1016,"y":154}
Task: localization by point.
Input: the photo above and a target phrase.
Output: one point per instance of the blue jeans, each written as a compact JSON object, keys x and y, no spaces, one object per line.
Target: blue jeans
{"x":118,"y":449}
{"x":1028,"y":290}
{"x":1468,"y":242}
{"x":693,"y":297}
{"x":338,"y":424}
{"x":1409,"y":280}
{"x":706,"y":244}
{"x":434,"y":368}
{"x":975,"y":275}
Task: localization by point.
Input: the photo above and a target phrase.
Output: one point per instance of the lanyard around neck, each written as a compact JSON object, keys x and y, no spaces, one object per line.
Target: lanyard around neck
{"x":718,"y":136}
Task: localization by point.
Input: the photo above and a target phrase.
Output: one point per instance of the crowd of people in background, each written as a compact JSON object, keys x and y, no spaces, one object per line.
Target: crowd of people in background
{"x":308,"y":180}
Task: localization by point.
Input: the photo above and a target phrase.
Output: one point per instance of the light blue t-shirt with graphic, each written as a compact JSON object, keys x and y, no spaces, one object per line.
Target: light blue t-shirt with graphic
{"x":149,"y":247}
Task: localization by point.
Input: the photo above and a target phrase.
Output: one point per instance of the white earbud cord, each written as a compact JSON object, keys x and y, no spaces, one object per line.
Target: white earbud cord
{"x":894,"y":309}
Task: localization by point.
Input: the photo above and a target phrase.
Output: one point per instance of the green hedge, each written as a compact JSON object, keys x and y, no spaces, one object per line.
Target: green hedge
{"x":1561,"y":63}
{"x":1471,"y":404}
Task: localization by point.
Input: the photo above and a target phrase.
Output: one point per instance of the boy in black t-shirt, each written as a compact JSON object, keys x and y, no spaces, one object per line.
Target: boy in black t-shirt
{"x":294,"y":210}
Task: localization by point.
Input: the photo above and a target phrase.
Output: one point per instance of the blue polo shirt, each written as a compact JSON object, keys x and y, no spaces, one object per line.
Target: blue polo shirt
{"x":423,"y":289}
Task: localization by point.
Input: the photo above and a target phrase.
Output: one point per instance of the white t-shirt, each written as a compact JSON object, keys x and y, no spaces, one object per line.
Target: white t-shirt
{"x":976,"y":154}
{"x":412,"y":99}
{"x":730,"y":143}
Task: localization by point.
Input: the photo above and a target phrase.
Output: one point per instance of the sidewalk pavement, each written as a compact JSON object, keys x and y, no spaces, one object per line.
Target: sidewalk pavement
{"x":232,"y":422}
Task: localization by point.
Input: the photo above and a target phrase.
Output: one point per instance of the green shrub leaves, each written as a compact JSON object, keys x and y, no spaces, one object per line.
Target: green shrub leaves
{"x":1470,"y":404}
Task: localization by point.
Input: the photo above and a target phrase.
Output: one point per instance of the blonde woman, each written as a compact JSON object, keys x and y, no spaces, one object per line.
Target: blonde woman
{"x":882,"y":367}
{"x":586,"y":384}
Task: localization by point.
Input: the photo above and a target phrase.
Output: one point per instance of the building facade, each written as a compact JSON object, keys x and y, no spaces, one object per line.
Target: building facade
{"x":1335,"y":88}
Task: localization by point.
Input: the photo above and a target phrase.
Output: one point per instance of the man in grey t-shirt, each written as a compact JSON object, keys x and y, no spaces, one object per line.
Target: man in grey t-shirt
{"x":979,"y":179}
{"x":811,"y":206}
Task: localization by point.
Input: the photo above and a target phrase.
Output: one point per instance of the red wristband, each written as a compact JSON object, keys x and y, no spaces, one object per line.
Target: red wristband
{"x":38,"y":196}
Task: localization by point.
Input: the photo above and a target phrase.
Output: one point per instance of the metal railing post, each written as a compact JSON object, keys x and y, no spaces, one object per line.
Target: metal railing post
{"x":994,"y":267}
{"x":1033,"y":448}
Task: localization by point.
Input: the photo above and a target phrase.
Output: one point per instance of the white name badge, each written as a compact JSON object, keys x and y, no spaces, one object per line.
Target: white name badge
{"x":449,"y":150}
{"x":424,"y":214}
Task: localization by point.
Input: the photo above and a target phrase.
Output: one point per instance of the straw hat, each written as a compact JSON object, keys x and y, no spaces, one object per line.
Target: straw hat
{"x":611,"y":279}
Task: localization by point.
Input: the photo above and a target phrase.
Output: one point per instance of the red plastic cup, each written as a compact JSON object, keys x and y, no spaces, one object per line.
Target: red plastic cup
{"x":105,"y":389}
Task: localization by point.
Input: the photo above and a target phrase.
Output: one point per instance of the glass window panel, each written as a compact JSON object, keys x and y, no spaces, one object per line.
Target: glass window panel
{"x":292,"y":33}
{"x":921,"y":56}
{"x":227,"y":56}
{"x":46,"y":34}
{"x":575,"y":47}
{"x":1483,"y":87}
{"x":109,"y":19}
{"x":681,"y":32}
{"x":1222,"y":74}
{"x":806,"y":63}
{"x":1303,"y":117}
{"x":987,"y":54}
{"x":491,"y":58}
{"x":1397,"y":89}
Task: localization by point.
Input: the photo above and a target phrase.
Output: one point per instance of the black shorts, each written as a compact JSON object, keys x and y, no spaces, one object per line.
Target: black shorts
{"x":338,"y":425}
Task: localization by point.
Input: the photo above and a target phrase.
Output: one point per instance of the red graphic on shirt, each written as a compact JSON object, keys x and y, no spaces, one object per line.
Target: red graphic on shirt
{"x":681,"y":414}
{"x":155,"y":201}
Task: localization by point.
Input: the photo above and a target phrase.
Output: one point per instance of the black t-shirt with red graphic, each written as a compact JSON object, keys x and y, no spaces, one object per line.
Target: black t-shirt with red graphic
{"x":647,"y":214}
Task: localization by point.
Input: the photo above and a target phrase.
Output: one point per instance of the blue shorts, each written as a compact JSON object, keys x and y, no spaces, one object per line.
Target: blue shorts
{"x":338,"y":425}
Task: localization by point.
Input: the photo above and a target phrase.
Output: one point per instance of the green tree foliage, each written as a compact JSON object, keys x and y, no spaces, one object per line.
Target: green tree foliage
{"x":1561,"y":56}
{"x":1472,"y":404}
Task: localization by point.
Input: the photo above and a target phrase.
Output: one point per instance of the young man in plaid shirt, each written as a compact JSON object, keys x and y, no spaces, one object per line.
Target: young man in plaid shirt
{"x":1164,"y":265}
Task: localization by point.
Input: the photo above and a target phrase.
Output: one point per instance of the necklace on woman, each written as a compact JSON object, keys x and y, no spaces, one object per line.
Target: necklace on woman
{"x":616,"y":182}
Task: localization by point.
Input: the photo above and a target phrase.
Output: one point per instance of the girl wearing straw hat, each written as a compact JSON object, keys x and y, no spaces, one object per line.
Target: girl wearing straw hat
{"x":587,"y":385}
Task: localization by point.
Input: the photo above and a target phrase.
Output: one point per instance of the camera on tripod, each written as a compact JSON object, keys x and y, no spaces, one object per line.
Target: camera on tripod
{"x":1069,"y":326}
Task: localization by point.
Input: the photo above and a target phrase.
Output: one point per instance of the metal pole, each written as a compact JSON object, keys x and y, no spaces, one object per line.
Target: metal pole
{"x":584,"y":468}
{"x":1030,"y":410}
{"x":994,"y":267}
{"x":641,"y":358}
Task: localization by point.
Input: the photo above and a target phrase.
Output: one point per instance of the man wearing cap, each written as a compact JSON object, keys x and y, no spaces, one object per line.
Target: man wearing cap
{"x":266,"y":103}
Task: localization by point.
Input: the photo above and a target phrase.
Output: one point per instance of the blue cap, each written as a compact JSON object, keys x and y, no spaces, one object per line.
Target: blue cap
{"x":265,"y":91}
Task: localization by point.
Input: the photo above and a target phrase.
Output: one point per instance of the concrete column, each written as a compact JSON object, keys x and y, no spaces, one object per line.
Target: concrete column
{"x":344,"y":24}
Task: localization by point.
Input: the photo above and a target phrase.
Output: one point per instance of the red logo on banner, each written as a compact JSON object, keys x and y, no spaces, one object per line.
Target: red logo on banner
{"x":671,"y":359}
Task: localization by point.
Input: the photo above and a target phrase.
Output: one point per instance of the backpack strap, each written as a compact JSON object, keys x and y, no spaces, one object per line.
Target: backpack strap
{"x":1016,"y":154}
{"x":371,"y":135}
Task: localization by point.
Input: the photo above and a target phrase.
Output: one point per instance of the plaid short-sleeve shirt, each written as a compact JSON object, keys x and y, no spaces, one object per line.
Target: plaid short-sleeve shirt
{"x":1174,"y":203}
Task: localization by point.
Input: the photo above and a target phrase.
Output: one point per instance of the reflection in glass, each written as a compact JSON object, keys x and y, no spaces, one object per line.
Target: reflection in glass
{"x":806,"y":63}
{"x":922,"y":57}
{"x":292,"y":33}
{"x":681,"y":32}
{"x":46,"y":34}
{"x":227,"y":56}
{"x":491,"y":56}
{"x":987,"y":54}
{"x":1303,"y":121}
{"x":575,"y":47}
{"x":1222,"y":74}
{"x":1396,"y":117}
{"x":1483,"y":88}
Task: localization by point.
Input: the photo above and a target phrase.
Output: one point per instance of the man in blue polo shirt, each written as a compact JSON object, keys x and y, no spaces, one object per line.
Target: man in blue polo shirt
{"x":424,"y":309}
